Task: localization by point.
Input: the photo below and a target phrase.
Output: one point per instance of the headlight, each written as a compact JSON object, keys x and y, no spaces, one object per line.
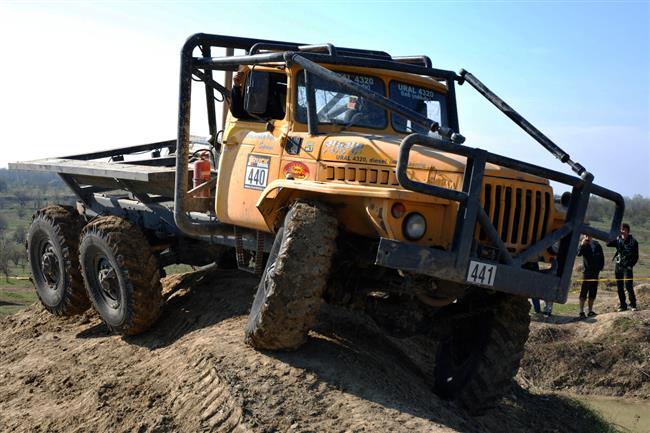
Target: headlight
{"x":414,"y":227}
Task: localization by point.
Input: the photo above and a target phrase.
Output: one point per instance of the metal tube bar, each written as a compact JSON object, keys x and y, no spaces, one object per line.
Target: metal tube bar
{"x":493,"y":236}
{"x":312,"y":116}
{"x":594,"y":232}
{"x":522,"y":123}
{"x":404,"y":181}
{"x":539,"y":247}
{"x":122,"y":150}
{"x":340,"y":59}
{"x":206,"y":50}
{"x":569,"y":245}
{"x":452,"y":109}
{"x":184,"y":221}
{"x":474,"y":177}
{"x":211,"y":82}
{"x":414,"y":60}
{"x":228,"y":85}
{"x":329,"y":48}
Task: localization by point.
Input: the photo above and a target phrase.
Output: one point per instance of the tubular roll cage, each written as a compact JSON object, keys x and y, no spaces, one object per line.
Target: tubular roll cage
{"x":513,"y":276}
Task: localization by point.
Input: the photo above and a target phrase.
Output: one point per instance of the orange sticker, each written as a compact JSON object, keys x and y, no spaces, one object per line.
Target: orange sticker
{"x":296,"y":170}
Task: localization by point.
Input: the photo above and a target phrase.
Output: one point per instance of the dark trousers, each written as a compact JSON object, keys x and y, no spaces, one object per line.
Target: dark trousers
{"x":536,"y":306}
{"x":589,"y":288}
{"x":626,"y":273}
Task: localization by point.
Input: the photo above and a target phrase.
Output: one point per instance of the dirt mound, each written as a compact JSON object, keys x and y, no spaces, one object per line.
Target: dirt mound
{"x":608,"y":354}
{"x":192,"y":372}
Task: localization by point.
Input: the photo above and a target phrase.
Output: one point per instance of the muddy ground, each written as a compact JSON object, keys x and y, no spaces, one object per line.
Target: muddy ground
{"x":608,"y":354}
{"x":192,"y":373}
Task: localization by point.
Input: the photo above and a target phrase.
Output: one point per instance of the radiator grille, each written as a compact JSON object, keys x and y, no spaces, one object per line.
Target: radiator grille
{"x":520,"y":215}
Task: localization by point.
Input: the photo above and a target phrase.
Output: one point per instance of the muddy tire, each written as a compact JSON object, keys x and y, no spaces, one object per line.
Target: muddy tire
{"x":290,"y":291}
{"x":53,"y":253}
{"x":121,"y":274}
{"x":476,"y":363}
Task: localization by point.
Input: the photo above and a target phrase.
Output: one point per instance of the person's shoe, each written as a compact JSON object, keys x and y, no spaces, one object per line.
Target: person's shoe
{"x":633,"y":309}
{"x":592,"y":314}
{"x":621,"y":309}
{"x":582,"y":315}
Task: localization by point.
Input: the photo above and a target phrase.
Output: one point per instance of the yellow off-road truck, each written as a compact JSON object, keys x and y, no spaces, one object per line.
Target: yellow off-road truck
{"x":337,"y":175}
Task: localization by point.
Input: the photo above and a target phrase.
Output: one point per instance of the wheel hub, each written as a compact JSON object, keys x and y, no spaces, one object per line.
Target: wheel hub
{"x":108,"y":282}
{"x":50,"y":266}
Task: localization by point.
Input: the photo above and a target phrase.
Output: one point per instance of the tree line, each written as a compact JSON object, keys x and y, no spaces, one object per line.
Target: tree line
{"x":21,"y":194}
{"x":637,"y":210}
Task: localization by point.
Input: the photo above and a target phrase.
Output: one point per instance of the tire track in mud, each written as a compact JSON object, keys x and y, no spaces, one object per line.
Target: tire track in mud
{"x":203,"y":396}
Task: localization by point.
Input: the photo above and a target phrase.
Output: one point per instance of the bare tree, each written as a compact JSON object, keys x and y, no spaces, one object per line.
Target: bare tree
{"x":18,"y":255}
{"x":5,"y":255}
{"x":3,"y":223}
{"x":20,"y":235}
{"x":22,"y":197}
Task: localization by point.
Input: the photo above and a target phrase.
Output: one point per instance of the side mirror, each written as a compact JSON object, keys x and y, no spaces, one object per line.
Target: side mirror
{"x":257,"y":92}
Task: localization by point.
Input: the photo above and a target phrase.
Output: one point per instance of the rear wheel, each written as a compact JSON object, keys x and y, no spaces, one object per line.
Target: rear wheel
{"x":290,"y":291}
{"x":53,"y":252}
{"x":476,"y":363}
{"x":121,"y":274}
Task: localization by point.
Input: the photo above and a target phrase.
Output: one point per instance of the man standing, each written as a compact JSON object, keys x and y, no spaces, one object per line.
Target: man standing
{"x":593,"y":261}
{"x":627,"y":254}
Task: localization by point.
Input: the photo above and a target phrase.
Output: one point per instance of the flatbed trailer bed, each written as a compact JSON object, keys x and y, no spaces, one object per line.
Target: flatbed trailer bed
{"x":141,"y":190}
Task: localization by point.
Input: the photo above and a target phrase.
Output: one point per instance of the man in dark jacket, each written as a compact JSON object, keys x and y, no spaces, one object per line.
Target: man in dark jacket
{"x":627,"y":254}
{"x":593,"y":261}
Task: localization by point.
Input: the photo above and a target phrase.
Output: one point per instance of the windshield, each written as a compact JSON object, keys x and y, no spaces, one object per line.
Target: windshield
{"x":425,"y":101}
{"x":336,"y":106}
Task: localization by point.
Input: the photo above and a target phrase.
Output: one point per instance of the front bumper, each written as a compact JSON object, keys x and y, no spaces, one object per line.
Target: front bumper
{"x":442,"y":265}
{"x":510,"y":273}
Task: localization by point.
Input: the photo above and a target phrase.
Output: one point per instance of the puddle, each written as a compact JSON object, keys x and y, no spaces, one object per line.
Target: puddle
{"x":632,"y":415}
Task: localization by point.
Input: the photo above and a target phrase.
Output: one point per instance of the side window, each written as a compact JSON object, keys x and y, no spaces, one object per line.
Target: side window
{"x":276,"y":98}
{"x":426,"y":102}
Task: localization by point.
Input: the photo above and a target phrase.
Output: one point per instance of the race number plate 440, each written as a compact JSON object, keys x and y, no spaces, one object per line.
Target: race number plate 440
{"x":257,"y":171}
{"x":481,"y":273}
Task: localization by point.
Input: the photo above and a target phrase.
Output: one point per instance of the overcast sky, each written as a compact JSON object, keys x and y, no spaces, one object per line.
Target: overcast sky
{"x":80,"y":76}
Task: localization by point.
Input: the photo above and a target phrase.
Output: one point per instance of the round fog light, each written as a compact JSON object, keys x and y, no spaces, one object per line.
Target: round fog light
{"x":414,"y":227}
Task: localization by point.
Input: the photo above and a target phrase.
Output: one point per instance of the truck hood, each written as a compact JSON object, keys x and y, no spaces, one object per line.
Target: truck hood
{"x":383,"y":150}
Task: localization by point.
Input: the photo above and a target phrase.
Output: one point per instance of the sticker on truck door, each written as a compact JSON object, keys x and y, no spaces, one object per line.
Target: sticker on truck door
{"x":257,"y":171}
{"x":481,"y":273}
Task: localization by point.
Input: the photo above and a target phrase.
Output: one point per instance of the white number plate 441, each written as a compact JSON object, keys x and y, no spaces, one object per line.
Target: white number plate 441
{"x":481,"y":273}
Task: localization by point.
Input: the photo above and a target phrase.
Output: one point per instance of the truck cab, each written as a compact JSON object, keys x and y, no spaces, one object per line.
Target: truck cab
{"x":269,"y":158}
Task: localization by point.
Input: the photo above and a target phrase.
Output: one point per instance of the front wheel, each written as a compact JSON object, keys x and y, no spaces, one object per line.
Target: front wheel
{"x":477,"y":361}
{"x":121,"y":274}
{"x":290,"y":291}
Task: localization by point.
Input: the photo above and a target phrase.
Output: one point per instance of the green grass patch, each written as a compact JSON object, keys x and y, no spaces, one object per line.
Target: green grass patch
{"x":22,"y":282}
{"x":14,"y":300}
{"x":565,"y":309}
{"x":21,"y":296}
{"x":178,"y":269}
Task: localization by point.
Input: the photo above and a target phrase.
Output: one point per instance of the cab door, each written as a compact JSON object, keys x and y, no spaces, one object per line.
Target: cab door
{"x":251,"y":155}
